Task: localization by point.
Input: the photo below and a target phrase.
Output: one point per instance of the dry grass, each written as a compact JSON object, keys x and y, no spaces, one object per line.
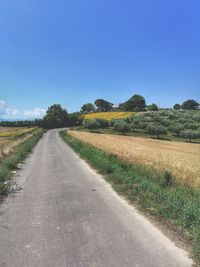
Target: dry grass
{"x":181,"y":159}
{"x":11,"y":138}
{"x":108,"y":115}
{"x":14,"y":131}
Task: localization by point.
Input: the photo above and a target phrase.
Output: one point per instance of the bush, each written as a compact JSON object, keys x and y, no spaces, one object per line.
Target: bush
{"x":156,"y":129}
{"x":91,"y":124}
{"x":190,"y":134}
{"x":122,"y":127}
{"x":102,"y":123}
{"x":112,"y":122}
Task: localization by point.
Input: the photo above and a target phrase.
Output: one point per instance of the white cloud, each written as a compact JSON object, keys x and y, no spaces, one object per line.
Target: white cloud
{"x":2,"y":107}
{"x":5,"y":110}
{"x":36,"y":112}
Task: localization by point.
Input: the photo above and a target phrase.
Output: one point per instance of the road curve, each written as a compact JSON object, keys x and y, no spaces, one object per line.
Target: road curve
{"x":67,"y":215}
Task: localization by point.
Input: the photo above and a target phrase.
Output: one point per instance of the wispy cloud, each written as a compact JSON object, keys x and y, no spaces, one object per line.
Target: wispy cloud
{"x":7,"y":111}
{"x":36,"y":112}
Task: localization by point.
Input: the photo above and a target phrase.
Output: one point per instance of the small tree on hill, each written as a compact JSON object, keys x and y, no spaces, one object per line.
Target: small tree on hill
{"x":190,"y":104}
{"x":153,"y":107}
{"x":135,"y":103}
{"x":122,"y":127}
{"x":156,"y":129}
{"x":89,"y":107}
{"x":91,"y":124}
{"x":177,"y":106}
{"x":103,"y":105}
{"x":190,"y":134}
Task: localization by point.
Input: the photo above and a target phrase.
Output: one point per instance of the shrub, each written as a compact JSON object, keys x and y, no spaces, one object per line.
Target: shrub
{"x":103,"y":123}
{"x":122,"y":127}
{"x":167,"y":179}
{"x":91,"y":124}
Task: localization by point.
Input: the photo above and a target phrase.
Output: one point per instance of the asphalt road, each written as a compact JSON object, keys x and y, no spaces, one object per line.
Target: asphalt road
{"x":67,"y":215}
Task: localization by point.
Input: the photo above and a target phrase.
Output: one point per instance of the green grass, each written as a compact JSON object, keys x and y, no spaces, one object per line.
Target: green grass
{"x":11,"y":162}
{"x":176,"y":205}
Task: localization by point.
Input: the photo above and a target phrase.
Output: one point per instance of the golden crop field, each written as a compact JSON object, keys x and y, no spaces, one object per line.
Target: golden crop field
{"x":11,"y":137}
{"x":181,"y":159}
{"x":13,"y":131}
{"x":108,"y":115}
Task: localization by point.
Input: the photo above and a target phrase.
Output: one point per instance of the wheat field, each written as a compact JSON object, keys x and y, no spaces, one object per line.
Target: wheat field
{"x":181,"y":159}
{"x":12,"y":137}
{"x":108,"y":115}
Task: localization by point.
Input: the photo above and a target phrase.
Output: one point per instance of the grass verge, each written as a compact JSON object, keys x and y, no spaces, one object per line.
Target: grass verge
{"x":11,"y":162}
{"x":176,"y":205}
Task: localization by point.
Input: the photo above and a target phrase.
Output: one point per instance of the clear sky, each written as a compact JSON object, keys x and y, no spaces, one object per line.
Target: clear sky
{"x":75,"y":51}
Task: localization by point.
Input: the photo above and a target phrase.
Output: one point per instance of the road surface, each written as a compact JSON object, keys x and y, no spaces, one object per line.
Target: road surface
{"x":67,"y":215}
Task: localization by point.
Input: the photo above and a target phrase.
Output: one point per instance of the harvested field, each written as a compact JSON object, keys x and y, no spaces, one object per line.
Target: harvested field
{"x":11,"y":138}
{"x":181,"y":159}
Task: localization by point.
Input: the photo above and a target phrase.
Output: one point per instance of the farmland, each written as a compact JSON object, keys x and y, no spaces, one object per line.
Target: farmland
{"x":181,"y":159}
{"x":169,"y":124}
{"x":11,"y":138}
{"x":15,"y":144}
{"x":108,"y":115}
{"x":136,"y":168}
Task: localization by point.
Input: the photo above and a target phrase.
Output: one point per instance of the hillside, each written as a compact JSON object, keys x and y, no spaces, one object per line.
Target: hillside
{"x":108,"y":115}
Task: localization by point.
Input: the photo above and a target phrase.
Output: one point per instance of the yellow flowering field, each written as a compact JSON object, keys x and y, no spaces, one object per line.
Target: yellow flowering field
{"x":108,"y":115}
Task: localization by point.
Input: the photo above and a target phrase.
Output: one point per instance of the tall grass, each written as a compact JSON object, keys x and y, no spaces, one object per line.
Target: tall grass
{"x":10,"y":163}
{"x":174,"y":204}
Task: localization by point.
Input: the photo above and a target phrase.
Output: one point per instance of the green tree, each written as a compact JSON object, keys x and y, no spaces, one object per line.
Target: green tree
{"x":74,"y":119}
{"x":91,"y":124}
{"x":177,"y":106}
{"x":122,"y":127}
{"x":103,"y":105}
{"x":190,"y":134}
{"x":55,"y":117}
{"x":156,"y":129}
{"x":176,"y":128}
{"x":190,"y":104}
{"x":103,"y":123}
{"x":153,"y":107}
{"x":89,"y":107}
{"x":135,"y":103}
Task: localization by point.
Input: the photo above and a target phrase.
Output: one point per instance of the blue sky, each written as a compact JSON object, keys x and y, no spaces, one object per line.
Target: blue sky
{"x":75,"y":51}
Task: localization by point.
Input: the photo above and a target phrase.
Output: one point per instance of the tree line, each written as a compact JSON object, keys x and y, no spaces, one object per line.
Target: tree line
{"x":135,"y":103}
{"x":56,"y":117}
{"x":185,"y":124}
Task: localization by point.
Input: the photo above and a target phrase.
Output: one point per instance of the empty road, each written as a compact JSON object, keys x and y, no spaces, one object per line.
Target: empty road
{"x":67,"y":215}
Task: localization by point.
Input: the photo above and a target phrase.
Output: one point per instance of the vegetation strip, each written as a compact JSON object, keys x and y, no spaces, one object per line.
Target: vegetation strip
{"x":174,"y":204}
{"x":10,"y":163}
